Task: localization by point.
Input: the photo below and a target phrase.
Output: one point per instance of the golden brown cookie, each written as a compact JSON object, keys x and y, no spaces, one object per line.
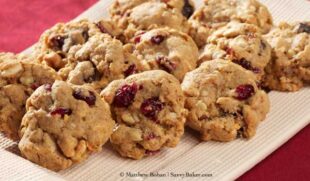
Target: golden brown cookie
{"x":289,"y":68}
{"x":167,"y":49}
{"x":217,"y":13}
{"x":19,"y":77}
{"x":149,"y":110}
{"x":63,"y":125}
{"x":224,"y":101}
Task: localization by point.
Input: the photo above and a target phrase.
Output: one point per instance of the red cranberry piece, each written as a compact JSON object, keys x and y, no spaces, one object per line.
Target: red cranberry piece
{"x":132,"y":69}
{"x":61,"y":111}
{"x":303,"y":28}
{"x":263,"y":45}
{"x":48,"y":87}
{"x":247,"y":65}
{"x":151,"y":107}
{"x":90,"y":100}
{"x":230,"y":51}
{"x":125,"y":95}
{"x":35,"y":85}
{"x":150,"y":136}
{"x":57,"y":42}
{"x":166,"y":64}
{"x":244,"y":91}
{"x":188,"y":9}
{"x":151,"y":153}
{"x":204,"y":117}
{"x":102,"y":28}
{"x":137,"y":39}
{"x":157,"y":39}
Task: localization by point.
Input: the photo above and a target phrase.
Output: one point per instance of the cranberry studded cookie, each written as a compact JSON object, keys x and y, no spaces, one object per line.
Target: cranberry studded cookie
{"x":150,"y":15}
{"x":167,"y":49}
{"x":217,"y":13}
{"x":240,"y":43}
{"x":289,"y":67}
{"x":99,"y":61}
{"x":149,"y":110}
{"x":19,"y":77}
{"x":224,"y":101}
{"x":63,"y":125}
{"x":56,"y":42}
{"x":120,"y":7}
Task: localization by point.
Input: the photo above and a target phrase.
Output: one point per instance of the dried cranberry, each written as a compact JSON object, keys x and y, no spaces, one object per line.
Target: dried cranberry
{"x":57,"y":42}
{"x":85,"y":35}
{"x":157,"y":39}
{"x":132,"y":69}
{"x":244,"y":91}
{"x":303,"y":28}
{"x":125,"y":95}
{"x":137,"y":38}
{"x":204,"y":117}
{"x":61,"y":111}
{"x":230,"y":51}
{"x":188,"y":9}
{"x":35,"y":85}
{"x":90,"y":100}
{"x":48,"y":87}
{"x":151,"y":153}
{"x":247,"y":65}
{"x":101,"y":28}
{"x":166,"y":64}
{"x":150,"y":136}
{"x":151,"y":107}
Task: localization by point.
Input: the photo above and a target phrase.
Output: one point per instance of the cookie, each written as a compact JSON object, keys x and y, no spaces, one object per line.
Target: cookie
{"x":224,"y":101}
{"x":240,"y":43}
{"x":19,"y":77}
{"x":149,"y":110}
{"x":167,"y":49}
{"x":63,"y":125}
{"x":55,"y":43}
{"x":289,"y":67}
{"x":120,"y":7}
{"x":150,"y":15}
{"x":217,"y":13}
{"x":99,"y":61}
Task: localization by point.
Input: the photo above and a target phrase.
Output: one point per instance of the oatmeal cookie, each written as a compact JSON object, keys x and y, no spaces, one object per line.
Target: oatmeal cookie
{"x":63,"y":125}
{"x":149,"y":110}
{"x":289,"y":68}
{"x":19,"y":77}
{"x":240,"y":43}
{"x":167,"y":49}
{"x":99,"y":61}
{"x":217,"y":13}
{"x":150,"y":15}
{"x":224,"y":101}
{"x":55,"y":43}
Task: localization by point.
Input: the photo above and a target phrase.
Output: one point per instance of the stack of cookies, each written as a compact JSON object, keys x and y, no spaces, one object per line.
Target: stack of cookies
{"x":142,"y":76}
